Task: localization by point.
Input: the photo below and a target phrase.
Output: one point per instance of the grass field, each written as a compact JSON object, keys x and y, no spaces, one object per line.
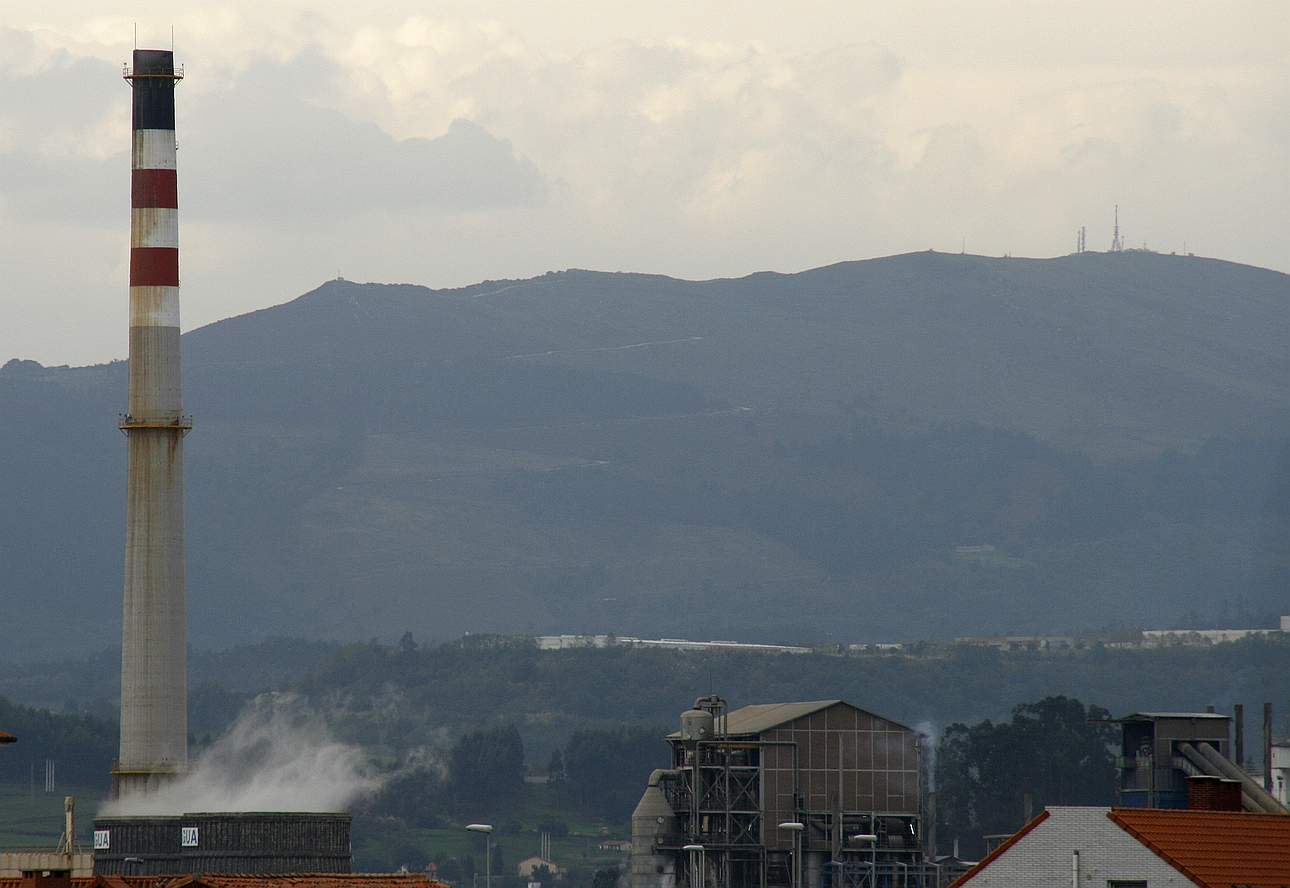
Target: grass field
{"x":35,"y":820}
{"x":384,"y":844}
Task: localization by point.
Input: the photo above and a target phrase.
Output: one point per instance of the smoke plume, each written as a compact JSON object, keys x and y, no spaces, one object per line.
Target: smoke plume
{"x":931,"y":737}
{"x":278,"y":755}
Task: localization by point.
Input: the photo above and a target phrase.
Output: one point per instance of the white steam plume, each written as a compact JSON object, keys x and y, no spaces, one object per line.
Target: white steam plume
{"x":277,"y":756}
{"x":928,"y":729}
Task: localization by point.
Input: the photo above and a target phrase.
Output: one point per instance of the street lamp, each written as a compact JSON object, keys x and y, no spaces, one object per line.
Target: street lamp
{"x":696,"y":874}
{"x":486,"y":829}
{"x":796,"y":829}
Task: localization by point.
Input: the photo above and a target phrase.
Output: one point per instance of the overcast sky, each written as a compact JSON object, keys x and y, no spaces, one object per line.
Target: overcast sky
{"x":444,"y":143}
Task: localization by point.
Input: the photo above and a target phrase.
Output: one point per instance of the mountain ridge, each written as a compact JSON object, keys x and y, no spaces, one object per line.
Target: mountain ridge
{"x":596,"y":451}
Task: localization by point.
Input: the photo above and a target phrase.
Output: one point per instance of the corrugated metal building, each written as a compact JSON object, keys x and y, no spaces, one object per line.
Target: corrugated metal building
{"x":819,"y":794}
{"x":1153,"y":772}
{"x":223,"y":843}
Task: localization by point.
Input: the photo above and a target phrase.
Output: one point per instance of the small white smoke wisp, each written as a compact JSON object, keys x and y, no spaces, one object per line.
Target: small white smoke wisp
{"x":928,"y":729}
{"x":277,"y":756}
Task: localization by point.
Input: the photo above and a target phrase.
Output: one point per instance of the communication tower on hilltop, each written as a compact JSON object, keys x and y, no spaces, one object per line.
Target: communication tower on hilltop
{"x":1117,"y":243}
{"x":1079,"y":240}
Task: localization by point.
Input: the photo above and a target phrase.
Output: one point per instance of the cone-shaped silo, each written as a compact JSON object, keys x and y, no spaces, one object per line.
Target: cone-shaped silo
{"x":154,"y":684}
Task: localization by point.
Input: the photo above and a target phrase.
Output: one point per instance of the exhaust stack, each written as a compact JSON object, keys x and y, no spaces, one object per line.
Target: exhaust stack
{"x":154,"y":684}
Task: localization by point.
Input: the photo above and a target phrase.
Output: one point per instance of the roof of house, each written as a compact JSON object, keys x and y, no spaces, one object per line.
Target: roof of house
{"x":529,"y":864}
{"x":762,"y":717}
{"x":1218,"y":849}
{"x":1003,"y":847}
{"x":223,"y":880}
{"x":7,"y":738}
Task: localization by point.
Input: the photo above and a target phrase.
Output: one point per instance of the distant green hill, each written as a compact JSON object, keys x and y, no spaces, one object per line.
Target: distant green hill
{"x":779,"y":457}
{"x":400,"y":697}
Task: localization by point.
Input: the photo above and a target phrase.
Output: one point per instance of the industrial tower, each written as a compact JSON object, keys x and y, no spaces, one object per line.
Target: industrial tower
{"x":154,"y":683}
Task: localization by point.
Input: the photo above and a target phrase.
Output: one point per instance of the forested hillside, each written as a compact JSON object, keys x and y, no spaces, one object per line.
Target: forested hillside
{"x":403,"y":695}
{"x":779,"y":458}
{"x":456,"y":726}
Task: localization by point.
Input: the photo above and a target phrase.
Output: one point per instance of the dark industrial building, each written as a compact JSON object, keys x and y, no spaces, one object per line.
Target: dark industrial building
{"x":1161,"y":750}
{"x":222,"y":843}
{"x":788,"y":795}
{"x":1152,"y":773}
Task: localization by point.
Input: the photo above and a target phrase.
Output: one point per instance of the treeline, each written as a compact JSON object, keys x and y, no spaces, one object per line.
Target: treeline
{"x":399,"y":697}
{"x":461,"y":724}
{"x":988,"y":777}
{"x":598,"y":774}
{"x":423,"y":693}
{"x":82,"y":747}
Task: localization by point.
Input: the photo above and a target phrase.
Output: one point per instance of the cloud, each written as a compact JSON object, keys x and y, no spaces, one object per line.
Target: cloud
{"x":399,"y":146}
{"x":63,"y":120}
{"x":275,"y":145}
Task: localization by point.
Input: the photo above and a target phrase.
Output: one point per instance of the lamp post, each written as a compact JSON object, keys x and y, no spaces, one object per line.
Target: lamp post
{"x":696,"y":873}
{"x":486,"y":829}
{"x":796,"y":829}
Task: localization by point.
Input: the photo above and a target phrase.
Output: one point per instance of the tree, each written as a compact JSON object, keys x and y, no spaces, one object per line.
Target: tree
{"x":606,"y":878}
{"x":1054,"y":750}
{"x":606,"y":770}
{"x":416,"y":798}
{"x":486,"y":768}
{"x":83,"y":746}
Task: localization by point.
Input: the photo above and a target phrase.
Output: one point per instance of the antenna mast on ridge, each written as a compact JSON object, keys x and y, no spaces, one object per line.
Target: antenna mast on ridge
{"x":1117,"y":244}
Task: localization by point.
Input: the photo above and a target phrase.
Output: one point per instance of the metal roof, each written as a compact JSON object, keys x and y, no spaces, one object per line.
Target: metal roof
{"x":762,"y":717}
{"x":1217,"y":849}
{"x":1000,"y":850}
{"x":1156,"y":716}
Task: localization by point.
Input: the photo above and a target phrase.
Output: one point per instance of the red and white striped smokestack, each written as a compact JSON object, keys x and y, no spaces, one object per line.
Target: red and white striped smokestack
{"x":154,"y":684}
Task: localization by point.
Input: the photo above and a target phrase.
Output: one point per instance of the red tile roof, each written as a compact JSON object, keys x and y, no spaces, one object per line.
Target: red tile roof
{"x":1007,"y":843}
{"x":1216,"y":849}
{"x":7,"y":738}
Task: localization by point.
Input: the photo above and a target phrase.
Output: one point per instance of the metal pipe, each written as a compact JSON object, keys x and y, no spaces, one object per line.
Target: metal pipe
{"x":487,"y":830}
{"x":1267,"y":746}
{"x":1262,"y":800}
{"x":656,"y":776}
{"x":1248,"y":802}
{"x":1238,"y":751}
{"x":154,"y":685}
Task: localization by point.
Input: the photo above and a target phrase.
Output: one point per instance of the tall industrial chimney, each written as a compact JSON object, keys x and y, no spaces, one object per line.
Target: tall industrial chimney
{"x":154,"y":682}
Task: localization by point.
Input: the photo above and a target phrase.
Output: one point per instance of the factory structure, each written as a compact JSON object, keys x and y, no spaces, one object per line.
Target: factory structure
{"x":154,"y":690}
{"x":1186,"y":813}
{"x":1166,"y":758}
{"x":820,"y":794}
